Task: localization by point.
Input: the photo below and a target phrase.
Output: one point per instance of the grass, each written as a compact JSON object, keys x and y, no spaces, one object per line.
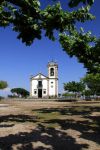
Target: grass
{"x":48,"y":116}
{"x":43,"y":117}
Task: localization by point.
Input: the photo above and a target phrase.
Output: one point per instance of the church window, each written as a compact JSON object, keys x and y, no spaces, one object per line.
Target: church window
{"x":51,"y":82}
{"x":44,"y":92}
{"x":52,"y":72}
{"x":35,"y":92}
{"x":39,"y":83}
{"x":51,"y":86}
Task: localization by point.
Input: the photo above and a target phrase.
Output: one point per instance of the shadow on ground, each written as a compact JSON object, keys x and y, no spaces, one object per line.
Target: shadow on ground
{"x":18,"y":118}
{"x":74,"y":110}
{"x":51,"y":139}
{"x":89,"y":127}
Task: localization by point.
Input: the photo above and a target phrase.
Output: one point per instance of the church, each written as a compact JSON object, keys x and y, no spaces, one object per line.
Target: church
{"x":42,"y":86}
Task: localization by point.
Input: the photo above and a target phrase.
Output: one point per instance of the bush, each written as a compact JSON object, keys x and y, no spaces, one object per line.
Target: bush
{"x":1,"y":97}
{"x":12,"y":96}
{"x":51,"y":97}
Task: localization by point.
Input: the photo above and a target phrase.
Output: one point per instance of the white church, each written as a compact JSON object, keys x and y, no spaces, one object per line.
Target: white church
{"x":42,"y":86}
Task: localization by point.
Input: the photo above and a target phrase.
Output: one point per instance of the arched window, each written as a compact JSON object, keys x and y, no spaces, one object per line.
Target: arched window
{"x":52,"y":72}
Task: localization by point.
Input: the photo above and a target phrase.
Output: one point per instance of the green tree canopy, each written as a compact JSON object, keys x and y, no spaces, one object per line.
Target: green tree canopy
{"x":75,"y":87}
{"x":93,"y":83}
{"x":3,"y":84}
{"x":20,"y":92}
{"x":28,"y":19}
{"x":78,"y":45}
{"x":74,"y":3}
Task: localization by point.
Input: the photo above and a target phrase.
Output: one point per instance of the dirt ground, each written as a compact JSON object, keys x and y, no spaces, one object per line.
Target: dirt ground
{"x":45,"y":125}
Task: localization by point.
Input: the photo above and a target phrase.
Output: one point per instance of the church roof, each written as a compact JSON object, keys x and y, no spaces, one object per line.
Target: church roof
{"x":39,"y":76}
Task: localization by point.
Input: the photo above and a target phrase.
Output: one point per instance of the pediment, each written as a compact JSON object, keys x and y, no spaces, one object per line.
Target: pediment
{"x":39,"y":76}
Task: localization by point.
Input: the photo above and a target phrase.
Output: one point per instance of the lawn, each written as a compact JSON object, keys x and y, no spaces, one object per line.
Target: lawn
{"x":41,"y":125}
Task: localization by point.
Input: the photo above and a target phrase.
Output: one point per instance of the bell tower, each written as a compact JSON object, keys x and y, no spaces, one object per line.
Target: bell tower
{"x":53,"y":78}
{"x":53,"y":70}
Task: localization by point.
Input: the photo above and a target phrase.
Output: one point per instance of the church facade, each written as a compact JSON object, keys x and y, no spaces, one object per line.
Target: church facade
{"x":42,"y":86}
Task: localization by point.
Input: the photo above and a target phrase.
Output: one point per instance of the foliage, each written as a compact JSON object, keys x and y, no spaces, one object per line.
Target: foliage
{"x":20,"y":92}
{"x":1,"y":97}
{"x":75,"y":87}
{"x":13,"y":96}
{"x":74,"y":3}
{"x":76,"y":44}
{"x":53,"y":97}
{"x":68,"y":94}
{"x":93,"y":83}
{"x":28,"y":19}
{"x":3,"y":84}
{"x":87,"y":93}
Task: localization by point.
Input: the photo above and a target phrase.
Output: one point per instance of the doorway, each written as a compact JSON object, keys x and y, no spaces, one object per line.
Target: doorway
{"x":39,"y":93}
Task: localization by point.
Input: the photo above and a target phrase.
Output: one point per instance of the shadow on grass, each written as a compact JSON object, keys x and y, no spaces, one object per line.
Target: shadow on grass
{"x":88,"y":130}
{"x":95,"y":127}
{"x":67,"y":110}
{"x":89,"y":127}
{"x":18,"y":118}
{"x":6,"y":125}
{"x":51,"y":139}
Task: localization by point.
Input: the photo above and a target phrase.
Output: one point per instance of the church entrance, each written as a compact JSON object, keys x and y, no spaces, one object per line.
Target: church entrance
{"x":39,"y":93}
{"x":39,"y":89}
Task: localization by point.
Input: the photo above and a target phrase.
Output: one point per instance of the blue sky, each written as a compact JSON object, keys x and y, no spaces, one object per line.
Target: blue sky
{"x":18,"y":62}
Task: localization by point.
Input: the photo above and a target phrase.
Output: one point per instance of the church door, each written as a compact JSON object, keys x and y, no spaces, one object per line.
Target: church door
{"x":39,"y":93}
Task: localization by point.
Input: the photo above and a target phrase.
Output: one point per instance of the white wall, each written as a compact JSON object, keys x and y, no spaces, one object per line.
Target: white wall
{"x":44,"y":83}
{"x":51,"y":87}
{"x":34,"y":87}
